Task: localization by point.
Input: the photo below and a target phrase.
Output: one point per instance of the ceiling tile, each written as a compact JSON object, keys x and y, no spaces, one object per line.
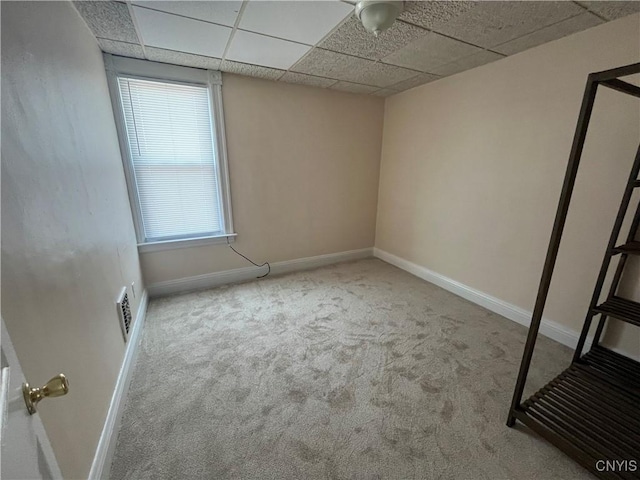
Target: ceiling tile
{"x":414,"y":82}
{"x":489,"y":24}
{"x":172,"y":32}
{"x":324,"y":63}
{"x":110,"y":20}
{"x":467,"y":63}
{"x":181,"y":58}
{"x":250,"y":70}
{"x":429,"y":52}
{"x":382,"y":75}
{"x":612,"y":10}
{"x":547,"y":34}
{"x":303,"y":79}
{"x":301,"y":21}
{"x":384,"y":92}
{"x":353,"y":87}
{"x":257,"y":49}
{"x":123,"y":49}
{"x":196,"y":33}
{"x":353,"y":39}
{"x":220,"y":12}
{"x":433,"y":14}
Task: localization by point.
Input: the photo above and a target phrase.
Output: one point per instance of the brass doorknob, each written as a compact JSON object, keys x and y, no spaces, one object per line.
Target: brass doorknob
{"x":56,"y":387}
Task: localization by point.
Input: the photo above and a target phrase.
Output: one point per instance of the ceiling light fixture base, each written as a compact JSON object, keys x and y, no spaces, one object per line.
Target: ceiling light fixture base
{"x":378,"y":15}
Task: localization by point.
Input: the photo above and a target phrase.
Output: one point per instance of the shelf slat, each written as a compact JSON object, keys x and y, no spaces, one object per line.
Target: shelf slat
{"x":622,"y":309}
{"x":631,"y":248}
{"x":591,"y":411}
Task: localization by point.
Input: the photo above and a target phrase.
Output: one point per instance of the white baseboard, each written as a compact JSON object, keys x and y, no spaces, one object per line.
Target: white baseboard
{"x":107,"y":443}
{"x":548,"y":328}
{"x":209,"y":280}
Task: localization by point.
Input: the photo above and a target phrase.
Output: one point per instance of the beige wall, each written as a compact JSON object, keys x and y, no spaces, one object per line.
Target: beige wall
{"x":68,"y":244}
{"x":472,"y":167}
{"x":304,"y":165}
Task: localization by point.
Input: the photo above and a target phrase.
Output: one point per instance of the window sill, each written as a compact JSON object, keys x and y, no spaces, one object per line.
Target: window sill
{"x":186,"y":243}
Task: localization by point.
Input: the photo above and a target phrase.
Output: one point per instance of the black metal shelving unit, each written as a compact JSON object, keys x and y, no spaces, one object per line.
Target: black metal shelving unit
{"x":591,"y":411}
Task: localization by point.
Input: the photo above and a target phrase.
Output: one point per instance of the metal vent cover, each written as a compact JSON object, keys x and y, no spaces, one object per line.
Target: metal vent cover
{"x":124,"y":313}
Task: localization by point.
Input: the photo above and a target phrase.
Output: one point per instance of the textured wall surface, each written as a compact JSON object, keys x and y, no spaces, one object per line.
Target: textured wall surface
{"x":304,"y":167}
{"x":472,"y":168}
{"x":68,"y":244}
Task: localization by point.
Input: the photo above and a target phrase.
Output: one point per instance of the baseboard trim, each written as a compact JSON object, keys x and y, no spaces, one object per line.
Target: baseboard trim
{"x":107,"y":443}
{"x":209,"y":280}
{"x":548,"y":328}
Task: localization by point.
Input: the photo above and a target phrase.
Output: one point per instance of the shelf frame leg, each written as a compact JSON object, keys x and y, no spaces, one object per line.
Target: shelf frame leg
{"x":633,"y":231}
{"x":586,"y":109}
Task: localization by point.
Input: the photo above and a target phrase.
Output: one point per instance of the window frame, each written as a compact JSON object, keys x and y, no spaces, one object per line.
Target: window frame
{"x":154,"y":71}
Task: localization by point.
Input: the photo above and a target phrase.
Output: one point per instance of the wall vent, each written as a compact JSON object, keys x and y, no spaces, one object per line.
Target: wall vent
{"x":124,"y":312}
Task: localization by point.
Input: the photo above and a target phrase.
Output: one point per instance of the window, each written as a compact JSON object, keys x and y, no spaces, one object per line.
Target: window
{"x":171,"y":134}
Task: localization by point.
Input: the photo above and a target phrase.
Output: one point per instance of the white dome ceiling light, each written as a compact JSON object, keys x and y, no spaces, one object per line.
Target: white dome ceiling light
{"x":378,"y":15}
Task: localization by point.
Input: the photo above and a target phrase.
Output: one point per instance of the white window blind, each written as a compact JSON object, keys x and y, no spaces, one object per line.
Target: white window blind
{"x":169,"y":132}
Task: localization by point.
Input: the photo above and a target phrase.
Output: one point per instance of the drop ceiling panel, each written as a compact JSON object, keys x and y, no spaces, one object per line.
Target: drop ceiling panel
{"x":429,"y":52}
{"x":489,"y":24}
{"x":110,"y":20}
{"x":547,"y":34}
{"x":124,"y":49}
{"x":414,"y":82}
{"x":351,"y":38}
{"x":324,"y":63}
{"x":303,"y":79}
{"x":467,"y":63}
{"x":321,"y":43}
{"x":353,"y":87}
{"x":384,"y":92}
{"x":301,"y":21}
{"x":265,"y":51}
{"x":251,"y":70}
{"x":181,"y":58}
{"x":172,"y":32}
{"x":432,"y":15}
{"x":220,"y":12}
{"x":613,"y":10}
{"x":382,"y":75}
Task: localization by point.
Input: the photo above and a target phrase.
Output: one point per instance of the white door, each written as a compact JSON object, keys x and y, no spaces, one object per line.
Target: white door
{"x":26,"y":452}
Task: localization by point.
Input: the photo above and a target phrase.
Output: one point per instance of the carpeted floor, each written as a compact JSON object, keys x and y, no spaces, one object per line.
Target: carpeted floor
{"x":354,"y":371}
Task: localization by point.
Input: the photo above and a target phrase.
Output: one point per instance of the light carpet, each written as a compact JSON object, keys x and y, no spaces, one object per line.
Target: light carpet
{"x":353,"y":371}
